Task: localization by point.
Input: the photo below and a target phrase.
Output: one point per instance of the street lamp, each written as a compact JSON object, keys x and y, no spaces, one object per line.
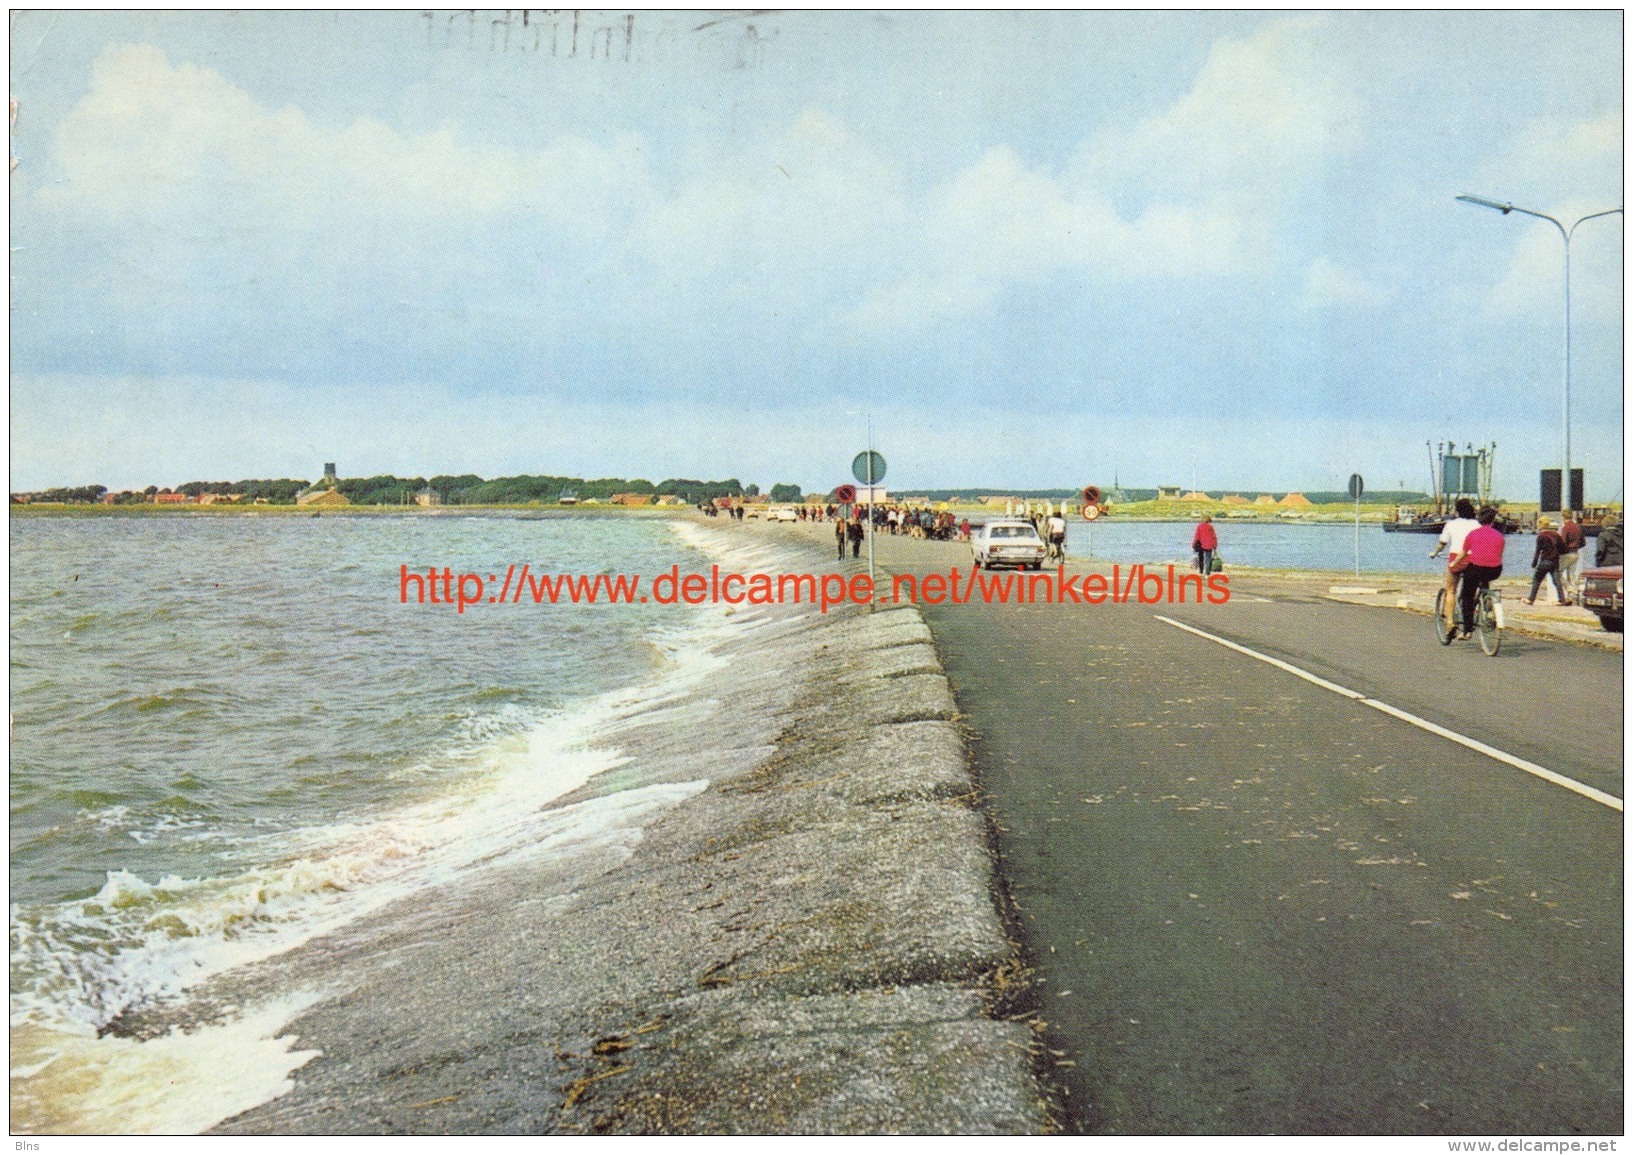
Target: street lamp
{"x":1565,"y":235}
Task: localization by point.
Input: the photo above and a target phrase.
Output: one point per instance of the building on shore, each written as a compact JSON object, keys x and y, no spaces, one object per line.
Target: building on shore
{"x":326,"y":491}
{"x":427,"y":497}
{"x":1295,"y":499}
{"x":631,"y":499}
{"x":323,"y":497}
{"x":1265,"y":499}
{"x":1168,"y":493}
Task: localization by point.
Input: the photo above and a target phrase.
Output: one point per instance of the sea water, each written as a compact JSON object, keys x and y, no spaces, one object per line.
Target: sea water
{"x":1325,"y":546}
{"x":230,"y":735}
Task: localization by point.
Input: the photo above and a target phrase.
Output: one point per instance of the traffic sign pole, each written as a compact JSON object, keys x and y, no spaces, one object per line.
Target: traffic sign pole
{"x":870,"y":504}
{"x":869,"y":467}
{"x":1356,"y":487}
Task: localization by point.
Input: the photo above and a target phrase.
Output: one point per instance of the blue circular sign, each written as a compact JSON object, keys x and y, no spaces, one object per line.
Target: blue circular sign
{"x":869,"y":467}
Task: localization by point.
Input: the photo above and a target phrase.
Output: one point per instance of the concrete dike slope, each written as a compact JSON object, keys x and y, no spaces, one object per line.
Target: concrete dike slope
{"x":809,"y":943}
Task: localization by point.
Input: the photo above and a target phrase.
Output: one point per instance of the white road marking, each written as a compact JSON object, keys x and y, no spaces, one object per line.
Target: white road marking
{"x":1478,"y":747}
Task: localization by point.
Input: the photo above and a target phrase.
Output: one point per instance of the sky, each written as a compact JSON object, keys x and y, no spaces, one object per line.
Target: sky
{"x":1035,"y":249}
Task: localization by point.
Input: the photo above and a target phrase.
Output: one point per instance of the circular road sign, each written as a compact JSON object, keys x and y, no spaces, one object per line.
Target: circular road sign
{"x":1091,"y":495}
{"x":1356,"y":487}
{"x":1091,"y":511}
{"x":869,"y":467}
{"x":845,"y":494}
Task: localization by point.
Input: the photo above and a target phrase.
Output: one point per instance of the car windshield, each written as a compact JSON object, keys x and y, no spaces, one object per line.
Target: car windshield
{"x":1023,"y":532}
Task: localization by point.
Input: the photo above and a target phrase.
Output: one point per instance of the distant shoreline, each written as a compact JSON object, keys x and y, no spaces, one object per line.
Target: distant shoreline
{"x":1313,"y":515}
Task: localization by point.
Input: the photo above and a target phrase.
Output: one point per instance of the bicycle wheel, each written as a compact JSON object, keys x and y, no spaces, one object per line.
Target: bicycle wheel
{"x":1485,"y":624}
{"x":1442,"y":632}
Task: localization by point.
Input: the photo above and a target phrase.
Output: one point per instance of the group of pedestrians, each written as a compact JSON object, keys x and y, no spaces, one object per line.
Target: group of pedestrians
{"x":1558,"y":555}
{"x":898,"y":521}
{"x":732,"y":510}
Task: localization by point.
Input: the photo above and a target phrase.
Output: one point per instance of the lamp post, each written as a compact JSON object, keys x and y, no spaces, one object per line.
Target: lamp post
{"x":1564,"y":235}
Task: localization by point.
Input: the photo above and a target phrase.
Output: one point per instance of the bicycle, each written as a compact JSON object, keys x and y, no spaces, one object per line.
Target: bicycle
{"x":1488,"y":620}
{"x":1056,"y":553}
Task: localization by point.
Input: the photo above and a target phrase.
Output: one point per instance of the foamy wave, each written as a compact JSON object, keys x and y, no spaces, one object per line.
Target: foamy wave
{"x":81,"y":963}
{"x":181,"y":1082}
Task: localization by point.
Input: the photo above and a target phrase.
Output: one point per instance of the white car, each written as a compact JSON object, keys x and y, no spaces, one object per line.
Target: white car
{"x":1010,"y":541}
{"x":783,"y":513}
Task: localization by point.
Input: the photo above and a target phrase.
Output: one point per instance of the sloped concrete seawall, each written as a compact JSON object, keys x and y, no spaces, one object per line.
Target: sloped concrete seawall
{"x":810,"y":944}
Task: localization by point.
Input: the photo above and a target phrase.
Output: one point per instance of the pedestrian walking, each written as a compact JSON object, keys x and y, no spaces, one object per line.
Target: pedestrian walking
{"x":856,"y":538}
{"x":1570,"y":555}
{"x":1545,"y":560}
{"x":1609,"y":549}
{"x":839,"y":536}
{"x":1204,"y":542}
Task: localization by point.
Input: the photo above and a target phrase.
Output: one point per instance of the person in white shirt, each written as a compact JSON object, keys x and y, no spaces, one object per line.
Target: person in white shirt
{"x":1056,"y":527}
{"x":1456,"y":532}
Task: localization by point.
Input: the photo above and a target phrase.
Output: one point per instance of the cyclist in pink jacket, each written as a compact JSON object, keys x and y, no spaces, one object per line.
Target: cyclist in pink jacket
{"x":1483,"y":551}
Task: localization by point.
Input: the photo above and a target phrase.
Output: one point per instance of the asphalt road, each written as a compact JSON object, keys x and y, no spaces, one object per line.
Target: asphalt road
{"x":1258,"y":907}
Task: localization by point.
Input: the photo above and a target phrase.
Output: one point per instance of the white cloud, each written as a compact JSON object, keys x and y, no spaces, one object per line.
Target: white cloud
{"x":153,"y":140}
{"x":1567,"y":169}
{"x":1264,"y":113}
{"x":809,"y":218}
{"x":1531,"y":287}
{"x":1327,"y":285}
{"x":1579,"y":158}
{"x":784,"y":214}
{"x":1212,"y":173}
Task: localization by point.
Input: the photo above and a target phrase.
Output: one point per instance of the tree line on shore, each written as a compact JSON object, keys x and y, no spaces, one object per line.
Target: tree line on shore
{"x":526,"y":489}
{"x":460,"y":489}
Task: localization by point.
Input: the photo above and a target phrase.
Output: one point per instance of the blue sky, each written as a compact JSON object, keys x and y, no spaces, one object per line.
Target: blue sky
{"x":1039,"y":249}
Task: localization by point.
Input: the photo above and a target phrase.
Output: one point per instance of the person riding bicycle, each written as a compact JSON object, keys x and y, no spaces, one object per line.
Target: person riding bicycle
{"x":1456,"y":532}
{"x":1056,"y":526}
{"x":1481,"y":563}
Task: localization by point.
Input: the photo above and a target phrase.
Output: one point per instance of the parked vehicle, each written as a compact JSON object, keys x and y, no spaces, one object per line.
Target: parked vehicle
{"x":783,"y":513}
{"x":1602,"y":593}
{"x":1009,"y":541}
